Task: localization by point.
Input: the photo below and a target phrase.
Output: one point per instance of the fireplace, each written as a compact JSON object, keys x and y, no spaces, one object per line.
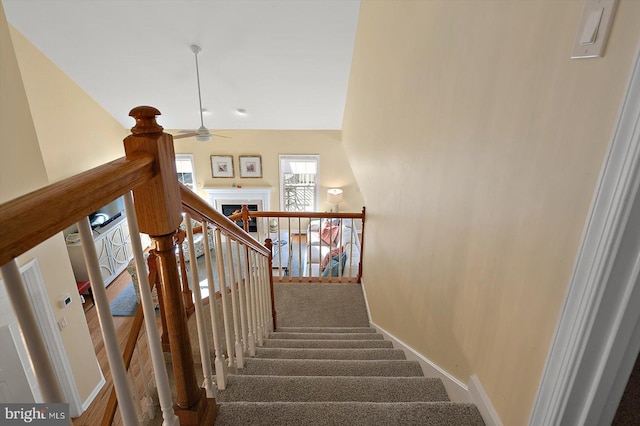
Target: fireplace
{"x":229,"y":209}
{"x":227,"y":200}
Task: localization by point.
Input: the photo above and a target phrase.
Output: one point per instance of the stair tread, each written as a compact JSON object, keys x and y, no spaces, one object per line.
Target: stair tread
{"x":333,"y":353}
{"x":332,"y":388}
{"x":351,"y":413}
{"x":326,"y":343}
{"x":327,"y":336}
{"x":326,"y":329}
{"x":324,"y":367}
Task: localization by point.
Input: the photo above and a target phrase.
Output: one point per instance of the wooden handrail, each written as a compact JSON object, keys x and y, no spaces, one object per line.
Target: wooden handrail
{"x":127,"y":354}
{"x":37,"y":216}
{"x":200,"y":210}
{"x":305,"y":215}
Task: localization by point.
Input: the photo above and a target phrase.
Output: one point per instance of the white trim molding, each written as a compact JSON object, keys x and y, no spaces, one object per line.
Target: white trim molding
{"x":87,"y":402}
{"x":595,"y":333}
{"x":458,"y":391}
{"x":245,"y":195}
{"x":483,"y":403}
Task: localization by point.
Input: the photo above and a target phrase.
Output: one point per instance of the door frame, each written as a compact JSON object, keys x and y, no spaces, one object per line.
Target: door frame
{"x":41,"y":304}
{"x":598,"y":335}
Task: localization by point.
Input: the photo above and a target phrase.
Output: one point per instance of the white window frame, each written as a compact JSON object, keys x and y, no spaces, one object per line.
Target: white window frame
{"x":301,"y":157}
{"x":189,"y":157}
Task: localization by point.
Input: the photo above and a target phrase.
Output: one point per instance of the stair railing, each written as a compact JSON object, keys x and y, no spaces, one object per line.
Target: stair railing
{"x":149,"y":171}
{"x":287,"y":232}
{"x":238,"y":292}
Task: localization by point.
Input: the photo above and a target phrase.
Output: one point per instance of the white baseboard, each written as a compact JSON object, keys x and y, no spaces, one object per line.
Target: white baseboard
{"x":458,"y":391}
{"x":87,"y":402}
{"x":483,"y":403}
{"x":366,"y":300}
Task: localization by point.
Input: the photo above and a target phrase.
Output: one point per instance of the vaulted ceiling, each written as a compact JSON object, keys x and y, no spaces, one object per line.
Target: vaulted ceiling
{"x":285,"y":63}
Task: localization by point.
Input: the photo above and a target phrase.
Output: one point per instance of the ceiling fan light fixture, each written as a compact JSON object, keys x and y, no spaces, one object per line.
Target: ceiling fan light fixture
{"x":203,"y":134}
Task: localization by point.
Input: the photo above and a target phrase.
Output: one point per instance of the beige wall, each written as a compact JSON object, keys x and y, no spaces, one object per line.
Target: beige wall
{"x":74,"y":132}
{"x":28,"y":163}
{"x":335,"y":170}
{"x":495,"y":139}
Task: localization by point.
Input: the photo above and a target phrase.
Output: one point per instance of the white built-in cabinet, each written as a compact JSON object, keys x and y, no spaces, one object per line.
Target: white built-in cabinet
{"x":113,"y":246}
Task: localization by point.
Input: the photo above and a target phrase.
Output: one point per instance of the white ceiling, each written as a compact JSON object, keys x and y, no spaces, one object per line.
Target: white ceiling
{"x":286,"y":62}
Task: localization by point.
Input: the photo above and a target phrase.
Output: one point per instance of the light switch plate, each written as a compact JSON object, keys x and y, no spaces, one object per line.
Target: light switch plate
{"x":595,"y":49}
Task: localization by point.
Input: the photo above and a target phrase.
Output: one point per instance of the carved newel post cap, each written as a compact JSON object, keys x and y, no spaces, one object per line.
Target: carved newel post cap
{"x":145,"y":120}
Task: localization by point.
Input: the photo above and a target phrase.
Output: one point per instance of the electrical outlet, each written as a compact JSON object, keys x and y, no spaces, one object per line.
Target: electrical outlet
{"x":62,"y":323}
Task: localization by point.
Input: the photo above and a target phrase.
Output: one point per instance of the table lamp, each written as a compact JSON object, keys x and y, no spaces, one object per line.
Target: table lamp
{"x":335,"y":197}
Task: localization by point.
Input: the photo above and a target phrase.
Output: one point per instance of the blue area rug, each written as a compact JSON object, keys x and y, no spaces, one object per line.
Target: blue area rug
{"x":295,"y":268}
{"x":125,"y":304}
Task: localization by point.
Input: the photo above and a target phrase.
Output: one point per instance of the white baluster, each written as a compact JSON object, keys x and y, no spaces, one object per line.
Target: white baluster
{"x":111,"y":344}
{"x":234,"y":306}
{"x":260,"y":271}
{"x":276,"y":243}
{"x":151,"y":412}
{"x":136,"y":395}
{"x":300,"y":274}
{"x":150,"y":326}
{"x":257,"y":306}
{"x":259,"y":297}
{"x":251,"y":312}
{"x":203,"y":340}
{"x":265,"y":262}
{"x":219,"y":360}
{"x":242,"y":300}
{"x":42,"y":367}
{"x":222,"y":280}
{"x":290,"y":250}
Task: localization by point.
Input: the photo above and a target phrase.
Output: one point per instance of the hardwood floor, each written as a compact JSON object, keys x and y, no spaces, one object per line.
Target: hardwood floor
{"x":93,"y":415}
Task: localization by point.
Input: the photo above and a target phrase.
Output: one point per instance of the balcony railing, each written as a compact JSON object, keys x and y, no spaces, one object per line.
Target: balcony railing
{"x":310,"y":246}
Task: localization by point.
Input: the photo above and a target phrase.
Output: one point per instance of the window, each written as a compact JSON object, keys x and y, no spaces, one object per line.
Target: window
{"x":299,"y":183}
{"x":184,"y":167}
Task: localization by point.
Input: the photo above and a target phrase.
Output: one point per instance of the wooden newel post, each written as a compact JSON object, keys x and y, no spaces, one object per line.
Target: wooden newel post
{"x":245,"y":217}
{"x":159,"y":211}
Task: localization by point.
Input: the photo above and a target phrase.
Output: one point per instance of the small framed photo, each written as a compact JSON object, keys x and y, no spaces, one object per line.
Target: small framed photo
{"x":222,"y":166}
{"x":250,"y":166}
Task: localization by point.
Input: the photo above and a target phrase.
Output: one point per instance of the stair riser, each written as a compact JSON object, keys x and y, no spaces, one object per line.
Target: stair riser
{"x":345,"y":413}
{"x":301,"y":367}
{"x":327,"y":330}
{"x":335,"y":354}
{"x":345,"y":389}
{"x":336,"y":344}
{"x":326,"y":336}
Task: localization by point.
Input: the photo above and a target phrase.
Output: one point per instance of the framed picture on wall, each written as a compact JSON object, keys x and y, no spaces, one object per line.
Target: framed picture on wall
{"x":250,"y":166}
{"x":222,"y":166}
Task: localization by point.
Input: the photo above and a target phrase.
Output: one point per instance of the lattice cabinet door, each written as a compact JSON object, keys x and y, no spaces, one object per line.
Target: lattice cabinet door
{"x":118,"y":245}
{"x":104,"y":258}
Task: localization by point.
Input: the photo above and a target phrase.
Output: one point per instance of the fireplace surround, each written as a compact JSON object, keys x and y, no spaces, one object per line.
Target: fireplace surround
{"x":228,"y":199}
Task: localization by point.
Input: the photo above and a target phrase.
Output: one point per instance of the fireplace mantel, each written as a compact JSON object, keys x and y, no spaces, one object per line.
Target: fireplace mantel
{"x":245,"y":195}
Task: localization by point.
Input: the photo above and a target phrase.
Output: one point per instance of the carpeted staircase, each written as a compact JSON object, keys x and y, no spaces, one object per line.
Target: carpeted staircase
{"x":325,"y":366}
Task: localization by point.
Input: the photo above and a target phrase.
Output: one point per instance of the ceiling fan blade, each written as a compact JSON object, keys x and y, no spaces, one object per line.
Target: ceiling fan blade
{"x":185,"y":135}
{"x":220,"y":136}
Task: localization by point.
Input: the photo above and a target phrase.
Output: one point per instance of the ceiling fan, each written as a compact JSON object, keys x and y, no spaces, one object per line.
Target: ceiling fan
{"x":202,"y":134}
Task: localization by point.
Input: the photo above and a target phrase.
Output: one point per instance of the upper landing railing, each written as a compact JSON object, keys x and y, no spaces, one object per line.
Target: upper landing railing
{"x":147,"y":174}
{"x":309,"y":246}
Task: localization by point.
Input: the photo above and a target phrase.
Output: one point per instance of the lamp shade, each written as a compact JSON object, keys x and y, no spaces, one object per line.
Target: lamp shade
{"x":335,"y":195}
